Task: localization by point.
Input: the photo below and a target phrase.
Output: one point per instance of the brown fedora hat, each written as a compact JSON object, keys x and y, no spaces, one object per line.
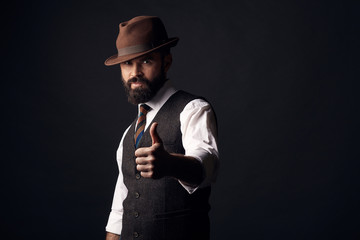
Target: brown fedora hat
{"x":139,"y":36}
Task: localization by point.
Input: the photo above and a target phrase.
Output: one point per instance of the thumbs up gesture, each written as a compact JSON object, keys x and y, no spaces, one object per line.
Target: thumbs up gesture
{"x":155,"y":138}
{"x":151,"y":161}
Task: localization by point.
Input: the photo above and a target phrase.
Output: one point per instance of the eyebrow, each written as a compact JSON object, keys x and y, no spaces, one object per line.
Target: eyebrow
{"x":148,"y":56}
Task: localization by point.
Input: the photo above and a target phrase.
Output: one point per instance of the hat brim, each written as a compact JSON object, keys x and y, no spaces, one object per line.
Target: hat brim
{"x":115,"y":59}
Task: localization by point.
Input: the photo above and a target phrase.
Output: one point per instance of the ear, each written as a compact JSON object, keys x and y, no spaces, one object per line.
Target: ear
{"x":167,"y":62}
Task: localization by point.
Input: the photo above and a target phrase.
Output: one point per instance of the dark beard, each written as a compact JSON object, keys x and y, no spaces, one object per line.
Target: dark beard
{"x":145,"y":93}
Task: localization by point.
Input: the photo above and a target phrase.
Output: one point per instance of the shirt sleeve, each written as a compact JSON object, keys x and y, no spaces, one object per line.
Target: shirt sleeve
{"x":199,"y":137}
{"x":114,"y":224}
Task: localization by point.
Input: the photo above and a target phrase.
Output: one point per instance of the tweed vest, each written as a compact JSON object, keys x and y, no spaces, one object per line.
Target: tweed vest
{"x":162,"y":209}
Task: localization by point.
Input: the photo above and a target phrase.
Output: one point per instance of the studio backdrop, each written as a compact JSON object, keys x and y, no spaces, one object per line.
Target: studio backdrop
{"x":281,"y":76}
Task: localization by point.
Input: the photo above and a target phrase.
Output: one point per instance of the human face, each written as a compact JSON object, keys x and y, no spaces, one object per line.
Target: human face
{"x":144,"y":76}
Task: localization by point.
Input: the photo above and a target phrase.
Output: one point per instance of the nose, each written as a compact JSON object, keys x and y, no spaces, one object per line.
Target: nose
{"x":136,"y":70}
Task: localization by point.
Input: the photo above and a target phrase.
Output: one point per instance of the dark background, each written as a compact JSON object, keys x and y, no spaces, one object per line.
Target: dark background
{"x":282,"y":76}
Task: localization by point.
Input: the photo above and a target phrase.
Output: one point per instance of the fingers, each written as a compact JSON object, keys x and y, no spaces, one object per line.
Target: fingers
{"x":149,"y":174}
{"x":145,"y":163}
{"x":147,"y":171}
{"x":145,"y":167}
{"x":144,"y":160}
{"x":142,"y":152}
{"x":154,"y":135}
{"x":147,"y":151}
{"x":149,"y":157}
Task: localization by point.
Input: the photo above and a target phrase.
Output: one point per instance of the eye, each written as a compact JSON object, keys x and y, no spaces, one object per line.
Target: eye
{"x":127,"y":63}
{"x":147,"y":61}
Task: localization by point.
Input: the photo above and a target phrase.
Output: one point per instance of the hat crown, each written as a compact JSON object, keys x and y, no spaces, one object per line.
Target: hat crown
{"x":139,"y":36}
{"x":141,"y":30}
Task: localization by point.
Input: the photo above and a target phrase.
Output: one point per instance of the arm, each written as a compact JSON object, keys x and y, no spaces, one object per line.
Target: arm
{"x":199,"y":164}
{"x":114,"y":224}
{"x":155,"y":162}
{"x":199,"y":138}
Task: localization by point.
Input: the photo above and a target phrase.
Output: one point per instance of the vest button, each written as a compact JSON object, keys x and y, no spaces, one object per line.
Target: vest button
{"x":136,"y":214}
{"x":137,"y":195}
{"x":137,"y":176}
{"x":136,"y":235}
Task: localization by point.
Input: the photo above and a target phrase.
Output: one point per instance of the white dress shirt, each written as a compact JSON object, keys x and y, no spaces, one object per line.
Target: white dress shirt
{"x":199,"y":138}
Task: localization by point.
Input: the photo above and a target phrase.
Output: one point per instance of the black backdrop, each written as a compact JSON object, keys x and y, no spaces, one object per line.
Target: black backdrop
{"x":281,"y":76}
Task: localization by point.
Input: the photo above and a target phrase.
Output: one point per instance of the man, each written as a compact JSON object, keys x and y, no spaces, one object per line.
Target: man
{"x":168,"y":156}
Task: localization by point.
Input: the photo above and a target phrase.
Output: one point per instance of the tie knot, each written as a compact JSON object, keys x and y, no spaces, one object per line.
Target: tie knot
{"x":144,"y":109}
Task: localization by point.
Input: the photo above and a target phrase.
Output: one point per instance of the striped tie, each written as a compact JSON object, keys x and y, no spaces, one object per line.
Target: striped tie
{"x":140,"y":124}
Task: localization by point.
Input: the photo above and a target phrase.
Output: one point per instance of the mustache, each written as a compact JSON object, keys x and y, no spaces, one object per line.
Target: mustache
{"x":138,"y":79}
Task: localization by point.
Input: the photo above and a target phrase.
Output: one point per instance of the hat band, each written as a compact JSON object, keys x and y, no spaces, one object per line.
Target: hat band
{"x":134,"y":49}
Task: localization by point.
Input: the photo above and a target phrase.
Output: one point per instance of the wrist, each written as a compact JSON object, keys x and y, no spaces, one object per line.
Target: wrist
{"x":112,"y":236}
{"x":187,"y":169}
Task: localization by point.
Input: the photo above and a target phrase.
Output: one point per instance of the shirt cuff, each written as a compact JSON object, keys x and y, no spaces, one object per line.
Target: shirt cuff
{"x":114,"y":224}
{"x":188,"y":188}
{"x":208,"y":162}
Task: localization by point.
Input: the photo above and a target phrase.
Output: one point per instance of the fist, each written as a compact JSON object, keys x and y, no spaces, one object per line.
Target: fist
{"x":151,"y":161}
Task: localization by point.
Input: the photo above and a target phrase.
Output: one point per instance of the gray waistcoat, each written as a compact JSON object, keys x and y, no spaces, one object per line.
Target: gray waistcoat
{"x":162,"y":209}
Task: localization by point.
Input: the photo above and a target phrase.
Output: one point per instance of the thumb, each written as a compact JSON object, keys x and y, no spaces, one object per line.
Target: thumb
{"x":154,"y":135}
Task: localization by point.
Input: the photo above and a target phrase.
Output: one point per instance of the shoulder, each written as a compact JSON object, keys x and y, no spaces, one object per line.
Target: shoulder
{"x":187,"y":97}
{"x":187,"y":103}
{"x":183,"y":96}
{"x":179,"y":100}
{"x":198,"y":107}
{"x":197,"y":103}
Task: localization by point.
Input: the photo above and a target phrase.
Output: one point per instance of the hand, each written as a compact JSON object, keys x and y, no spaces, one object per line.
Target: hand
{"x":152,"y":162}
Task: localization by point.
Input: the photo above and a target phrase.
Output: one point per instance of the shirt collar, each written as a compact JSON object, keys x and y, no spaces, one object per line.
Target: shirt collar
{"x":165,"y":92}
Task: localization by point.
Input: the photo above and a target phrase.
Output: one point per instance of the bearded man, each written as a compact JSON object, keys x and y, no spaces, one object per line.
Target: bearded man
{"x":168,"y":156}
